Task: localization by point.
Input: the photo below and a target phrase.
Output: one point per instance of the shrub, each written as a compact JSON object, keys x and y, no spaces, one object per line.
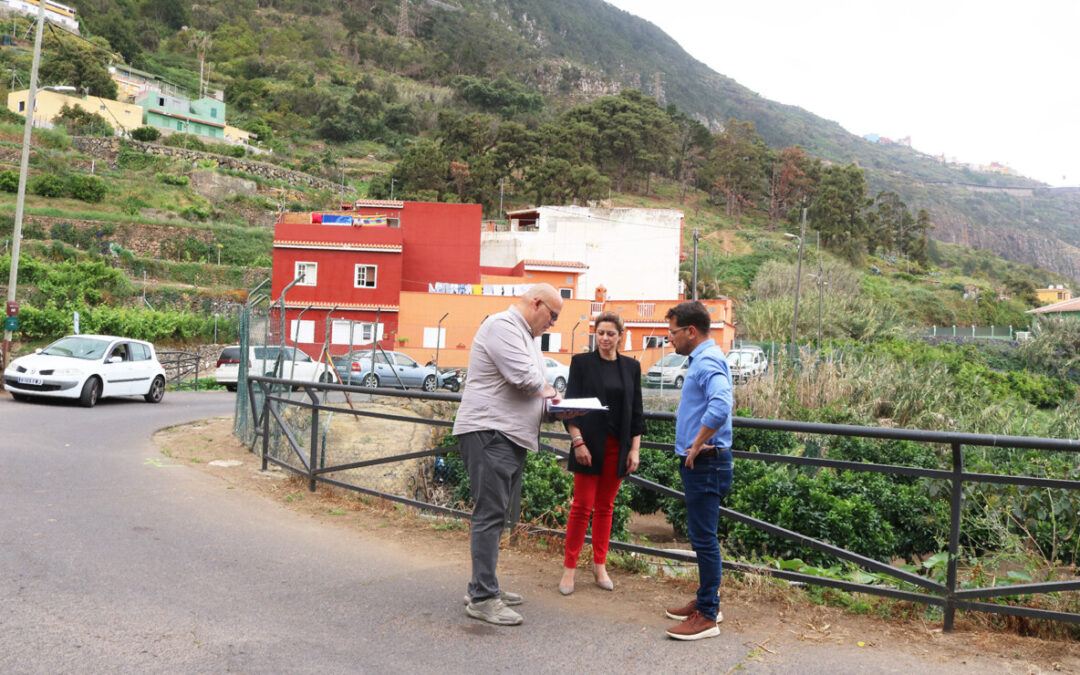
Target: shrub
{"x":186,"y":141}
{"x":145,"y":134}
{"x":48,"y":185}
{"x":173,"y":179}
{"x":87,"y":188}
{"x":9,"y":180}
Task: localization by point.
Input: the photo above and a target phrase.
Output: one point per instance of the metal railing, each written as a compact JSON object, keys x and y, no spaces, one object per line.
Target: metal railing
{"x":945,"y":595}
{"x":179,"y":366}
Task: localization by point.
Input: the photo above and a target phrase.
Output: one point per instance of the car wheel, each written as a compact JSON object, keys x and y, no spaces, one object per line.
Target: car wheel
{"x":91,"y":391}
{"x":230,"y":387}
{"x":678,"y":382}
{"x":20,"y":397}
{"x":157,"y":390}
{"x":560,"y":384}
{"x":370,"y":380}
{"x":430,"y":383}
{"x":326,"y":377}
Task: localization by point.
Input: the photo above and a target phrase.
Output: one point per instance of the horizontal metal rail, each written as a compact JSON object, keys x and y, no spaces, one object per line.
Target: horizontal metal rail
{"x":947,"y":595}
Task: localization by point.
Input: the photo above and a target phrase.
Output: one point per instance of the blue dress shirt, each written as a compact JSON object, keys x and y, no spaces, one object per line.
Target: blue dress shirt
{"x":707,"y":398}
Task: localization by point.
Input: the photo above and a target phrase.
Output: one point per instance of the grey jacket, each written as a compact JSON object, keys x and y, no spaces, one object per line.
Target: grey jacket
{"x":506,"y":376}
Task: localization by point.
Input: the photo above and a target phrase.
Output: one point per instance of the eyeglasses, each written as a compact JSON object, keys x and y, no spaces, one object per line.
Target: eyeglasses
{"x":673,"y":331}
{"x":554,"y":314}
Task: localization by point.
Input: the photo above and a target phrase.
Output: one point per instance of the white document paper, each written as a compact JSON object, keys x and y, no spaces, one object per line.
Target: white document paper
{"x":573,"y":404}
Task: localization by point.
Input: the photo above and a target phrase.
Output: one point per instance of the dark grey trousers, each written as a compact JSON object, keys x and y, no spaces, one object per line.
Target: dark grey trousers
{"x":494,"y":464}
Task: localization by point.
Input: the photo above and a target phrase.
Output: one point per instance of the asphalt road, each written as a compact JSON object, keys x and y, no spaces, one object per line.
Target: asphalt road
{"x":114,"y":559}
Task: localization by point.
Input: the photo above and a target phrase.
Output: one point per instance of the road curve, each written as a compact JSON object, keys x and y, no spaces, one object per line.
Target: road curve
{"x":112,"y":558}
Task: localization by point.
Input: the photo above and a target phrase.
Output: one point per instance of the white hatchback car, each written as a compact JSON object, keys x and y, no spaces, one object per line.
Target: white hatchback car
{"x":88,"y":368}
{"x":263,"y":360}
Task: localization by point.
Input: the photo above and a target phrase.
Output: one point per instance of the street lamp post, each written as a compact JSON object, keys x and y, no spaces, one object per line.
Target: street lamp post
{"x":438,"y":339}
{"x":798,"y":284}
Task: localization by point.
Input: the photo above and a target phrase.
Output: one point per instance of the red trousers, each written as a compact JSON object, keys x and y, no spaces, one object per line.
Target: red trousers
{"x":593,"y":496}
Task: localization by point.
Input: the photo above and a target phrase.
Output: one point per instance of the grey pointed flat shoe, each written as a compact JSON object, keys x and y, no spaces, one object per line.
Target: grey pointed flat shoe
{"x":566,"y":590}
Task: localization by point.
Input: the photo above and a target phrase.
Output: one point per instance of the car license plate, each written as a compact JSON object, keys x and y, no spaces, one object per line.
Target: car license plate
{"x":31,"y":380}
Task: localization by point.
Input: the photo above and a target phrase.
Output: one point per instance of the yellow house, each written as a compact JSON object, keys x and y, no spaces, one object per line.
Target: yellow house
{"x":47,"y":105}
{"x":1053,"y":294}
{"x":236,"y":135}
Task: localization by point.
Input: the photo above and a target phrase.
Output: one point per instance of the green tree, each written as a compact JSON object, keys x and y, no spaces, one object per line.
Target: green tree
{"x":80,"y":122}
{"x":735,"y":169}
{"x":80,"y":64}
{"x":633,"y":134}
{"x":838,"y":211}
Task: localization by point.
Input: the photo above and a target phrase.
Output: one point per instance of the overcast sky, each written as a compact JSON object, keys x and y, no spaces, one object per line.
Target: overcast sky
{"x":982,"y":81}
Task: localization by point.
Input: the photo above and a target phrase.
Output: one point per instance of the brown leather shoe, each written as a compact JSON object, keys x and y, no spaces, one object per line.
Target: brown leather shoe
{"x":695,"y":627}
{"x":681,"y":613}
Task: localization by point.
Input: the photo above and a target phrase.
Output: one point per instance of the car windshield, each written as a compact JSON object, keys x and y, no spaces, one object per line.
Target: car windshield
{"x":672,"y":360}
{"x":740,"y":358}
{"x":78,"y":347}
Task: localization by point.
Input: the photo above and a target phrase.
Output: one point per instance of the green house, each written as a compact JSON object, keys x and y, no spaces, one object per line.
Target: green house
{"x":202,"y":117}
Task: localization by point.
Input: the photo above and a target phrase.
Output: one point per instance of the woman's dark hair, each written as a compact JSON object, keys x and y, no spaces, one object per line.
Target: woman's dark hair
{"x":690,"y":313}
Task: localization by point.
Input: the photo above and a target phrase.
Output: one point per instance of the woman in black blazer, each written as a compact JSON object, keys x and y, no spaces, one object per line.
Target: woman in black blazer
{"x":604,"y":445}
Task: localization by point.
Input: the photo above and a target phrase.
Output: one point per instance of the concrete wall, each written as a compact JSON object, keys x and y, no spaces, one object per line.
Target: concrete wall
{"x":633,"y":252}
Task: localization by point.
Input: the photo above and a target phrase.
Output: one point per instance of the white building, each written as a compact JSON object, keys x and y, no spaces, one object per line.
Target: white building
{"x":61,"y":15}
{"x":634,"y":253}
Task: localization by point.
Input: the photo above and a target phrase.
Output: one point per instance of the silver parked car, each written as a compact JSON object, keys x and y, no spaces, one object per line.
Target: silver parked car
{"x":392,"y":369}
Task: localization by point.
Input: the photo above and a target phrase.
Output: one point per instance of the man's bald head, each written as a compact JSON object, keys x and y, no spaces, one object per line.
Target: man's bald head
{"x":540,"y":305}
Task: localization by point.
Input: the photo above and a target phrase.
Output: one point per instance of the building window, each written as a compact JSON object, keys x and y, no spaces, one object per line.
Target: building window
{"x":654,"y":341}
{"x":550,"y":342}
{"x":393,"y":222}
{"x":310,"y":272}
{"x":365,"y":276}
{"x":213,"y":112}
{"x":161,"y":101}
{"x":179,"y":125}
{"x":101,"y":108}
{"x":353,"y":333}
{"x":22,"y":106}
{"x":434,"y":337}
{"x":302,"y":332}
{"x":566,"y":293}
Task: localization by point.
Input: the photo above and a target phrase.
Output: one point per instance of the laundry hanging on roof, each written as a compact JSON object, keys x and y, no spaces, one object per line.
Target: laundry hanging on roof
{"x":336,"y":219}
{"x":377,"y":220}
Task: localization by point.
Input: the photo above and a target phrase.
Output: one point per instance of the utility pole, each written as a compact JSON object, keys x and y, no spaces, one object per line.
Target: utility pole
{"x":391,"y":189}
{"x":695,"y":262}
{"x":20,"y":200}
{"x":501,"y":181}
{"x":798,"y":285}
{"x":341,"y":200}
{"x":820,"y":287}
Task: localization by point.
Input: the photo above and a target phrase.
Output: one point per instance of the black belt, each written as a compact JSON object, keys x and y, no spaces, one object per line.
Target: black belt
{"x":712,"y":452}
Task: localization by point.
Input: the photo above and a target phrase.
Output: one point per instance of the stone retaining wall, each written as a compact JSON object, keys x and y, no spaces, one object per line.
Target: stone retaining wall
{"x":109,"y":148}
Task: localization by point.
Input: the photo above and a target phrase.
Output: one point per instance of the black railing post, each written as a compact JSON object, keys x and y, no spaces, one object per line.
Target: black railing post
{"x":314,"y":454}
{"x":956,"y":502}
{"x":266,"y":425}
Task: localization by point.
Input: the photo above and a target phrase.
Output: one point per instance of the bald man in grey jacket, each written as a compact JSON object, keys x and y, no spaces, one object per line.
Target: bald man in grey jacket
{"x":497,"y":423}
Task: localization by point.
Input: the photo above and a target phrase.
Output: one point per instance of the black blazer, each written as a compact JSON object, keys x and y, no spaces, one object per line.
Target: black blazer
{"x":585,"y":381}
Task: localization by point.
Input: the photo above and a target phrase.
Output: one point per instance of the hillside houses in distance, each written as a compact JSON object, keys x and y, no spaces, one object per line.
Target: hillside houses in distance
{"x":420,"y":277}
{"x":61,"y":15}
{"x":144,"y":99}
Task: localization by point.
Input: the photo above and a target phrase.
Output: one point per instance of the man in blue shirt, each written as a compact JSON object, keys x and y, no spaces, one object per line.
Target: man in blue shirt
{"x":703,"y":444}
